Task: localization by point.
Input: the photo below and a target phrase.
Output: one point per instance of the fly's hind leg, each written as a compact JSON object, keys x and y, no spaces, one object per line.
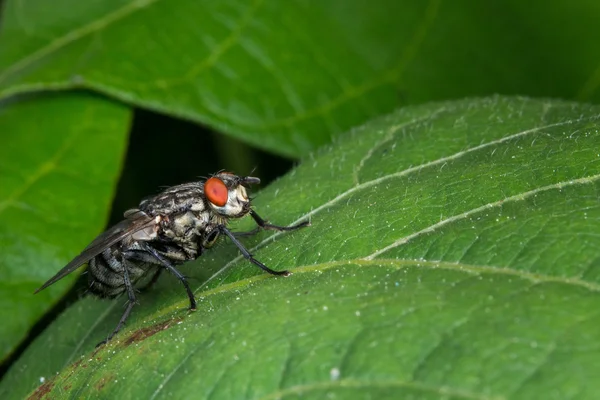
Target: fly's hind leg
{"x":145,"y":257}
{"x":163,"y":261}
{"x":130,"y":304}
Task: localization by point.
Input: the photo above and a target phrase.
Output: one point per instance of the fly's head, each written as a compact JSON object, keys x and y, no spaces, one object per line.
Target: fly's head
{"x":226,"y":194}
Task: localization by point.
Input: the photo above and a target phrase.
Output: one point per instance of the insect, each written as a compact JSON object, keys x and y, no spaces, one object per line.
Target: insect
{"x":167,"y":230}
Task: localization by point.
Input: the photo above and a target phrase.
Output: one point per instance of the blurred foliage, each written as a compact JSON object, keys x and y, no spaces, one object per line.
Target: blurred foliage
{"x":287,"y":76}
{"x":59,"y":161}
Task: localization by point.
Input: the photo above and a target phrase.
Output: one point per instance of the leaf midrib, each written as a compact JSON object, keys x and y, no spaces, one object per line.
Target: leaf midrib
{"x":403,"y":263}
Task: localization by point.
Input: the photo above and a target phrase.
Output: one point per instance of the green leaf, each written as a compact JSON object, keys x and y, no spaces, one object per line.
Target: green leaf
{"x":60,"y":157}
{"x":452,"y":253}
{"x":289,"y":75}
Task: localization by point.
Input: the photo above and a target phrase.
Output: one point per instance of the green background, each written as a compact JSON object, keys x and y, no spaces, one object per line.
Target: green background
{"x":104,"y":102}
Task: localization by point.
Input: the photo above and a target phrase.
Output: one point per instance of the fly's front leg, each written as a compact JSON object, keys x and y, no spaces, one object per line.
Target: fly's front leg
{"x":171,"y":268}
{"x":248,"y":256}
{"x":248,"y":233}
{"x":262,"y":224}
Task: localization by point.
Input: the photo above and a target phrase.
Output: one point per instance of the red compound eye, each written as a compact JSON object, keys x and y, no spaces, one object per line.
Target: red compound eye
{"x":216,"y":192}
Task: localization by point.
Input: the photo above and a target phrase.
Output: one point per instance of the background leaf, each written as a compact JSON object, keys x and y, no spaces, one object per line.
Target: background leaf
{"x":452,"y":252}
{"x":55,"y":194}
{"x":288,"y":75}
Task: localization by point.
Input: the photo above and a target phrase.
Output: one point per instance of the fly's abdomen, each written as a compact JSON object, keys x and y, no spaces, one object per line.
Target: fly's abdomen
{"x":104,"y":281}
{"x":106,"y":275}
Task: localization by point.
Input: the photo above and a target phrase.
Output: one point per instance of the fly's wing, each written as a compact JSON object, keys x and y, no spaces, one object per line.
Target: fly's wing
{"x":135,"y":221}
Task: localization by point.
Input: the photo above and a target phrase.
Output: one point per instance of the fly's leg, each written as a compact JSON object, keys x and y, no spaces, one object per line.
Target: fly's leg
{"x":262,"y":224}
{"x":169,"y":266}
{"x":248,"y":233}
{"x":146,"y":257}
{"x":130,"y":304}
{"x":248,"y":256}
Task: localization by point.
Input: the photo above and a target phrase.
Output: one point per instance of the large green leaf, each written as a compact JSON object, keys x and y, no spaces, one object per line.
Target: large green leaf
{"x":59,"y":160}
{"x":453,"y":253}
{"x":288,"y":75}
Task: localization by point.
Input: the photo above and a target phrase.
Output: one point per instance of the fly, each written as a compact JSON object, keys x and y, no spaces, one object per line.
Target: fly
{"x":166,"y":230}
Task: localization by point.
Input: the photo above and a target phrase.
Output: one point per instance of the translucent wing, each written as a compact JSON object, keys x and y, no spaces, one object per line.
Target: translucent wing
{"x":135,"y":221}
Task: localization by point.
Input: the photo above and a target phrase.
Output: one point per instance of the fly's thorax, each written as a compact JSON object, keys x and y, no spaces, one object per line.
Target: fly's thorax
{"x":174,"y":200}
{"x":184,"y":227}
{"x":180,"y":225}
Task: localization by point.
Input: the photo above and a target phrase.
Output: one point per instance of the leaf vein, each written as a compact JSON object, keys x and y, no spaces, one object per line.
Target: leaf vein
{"x":356,"y":384}
{"x":76,"y":34}
{"x":164,"y":382}
{"x":388,"y":137}
{"x":403,"y":263}
{"x":392,"y":75}
{"x":466,"y":318}
{"x":552,"y":349}
{"x":89,"y":332}
{"x":466,"y":214}
{"x":232,"y":39}
{"x":43,"y":170}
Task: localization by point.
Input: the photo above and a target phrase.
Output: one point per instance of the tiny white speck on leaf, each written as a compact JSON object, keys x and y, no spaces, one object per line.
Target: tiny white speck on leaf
{"x":334,"y":374}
